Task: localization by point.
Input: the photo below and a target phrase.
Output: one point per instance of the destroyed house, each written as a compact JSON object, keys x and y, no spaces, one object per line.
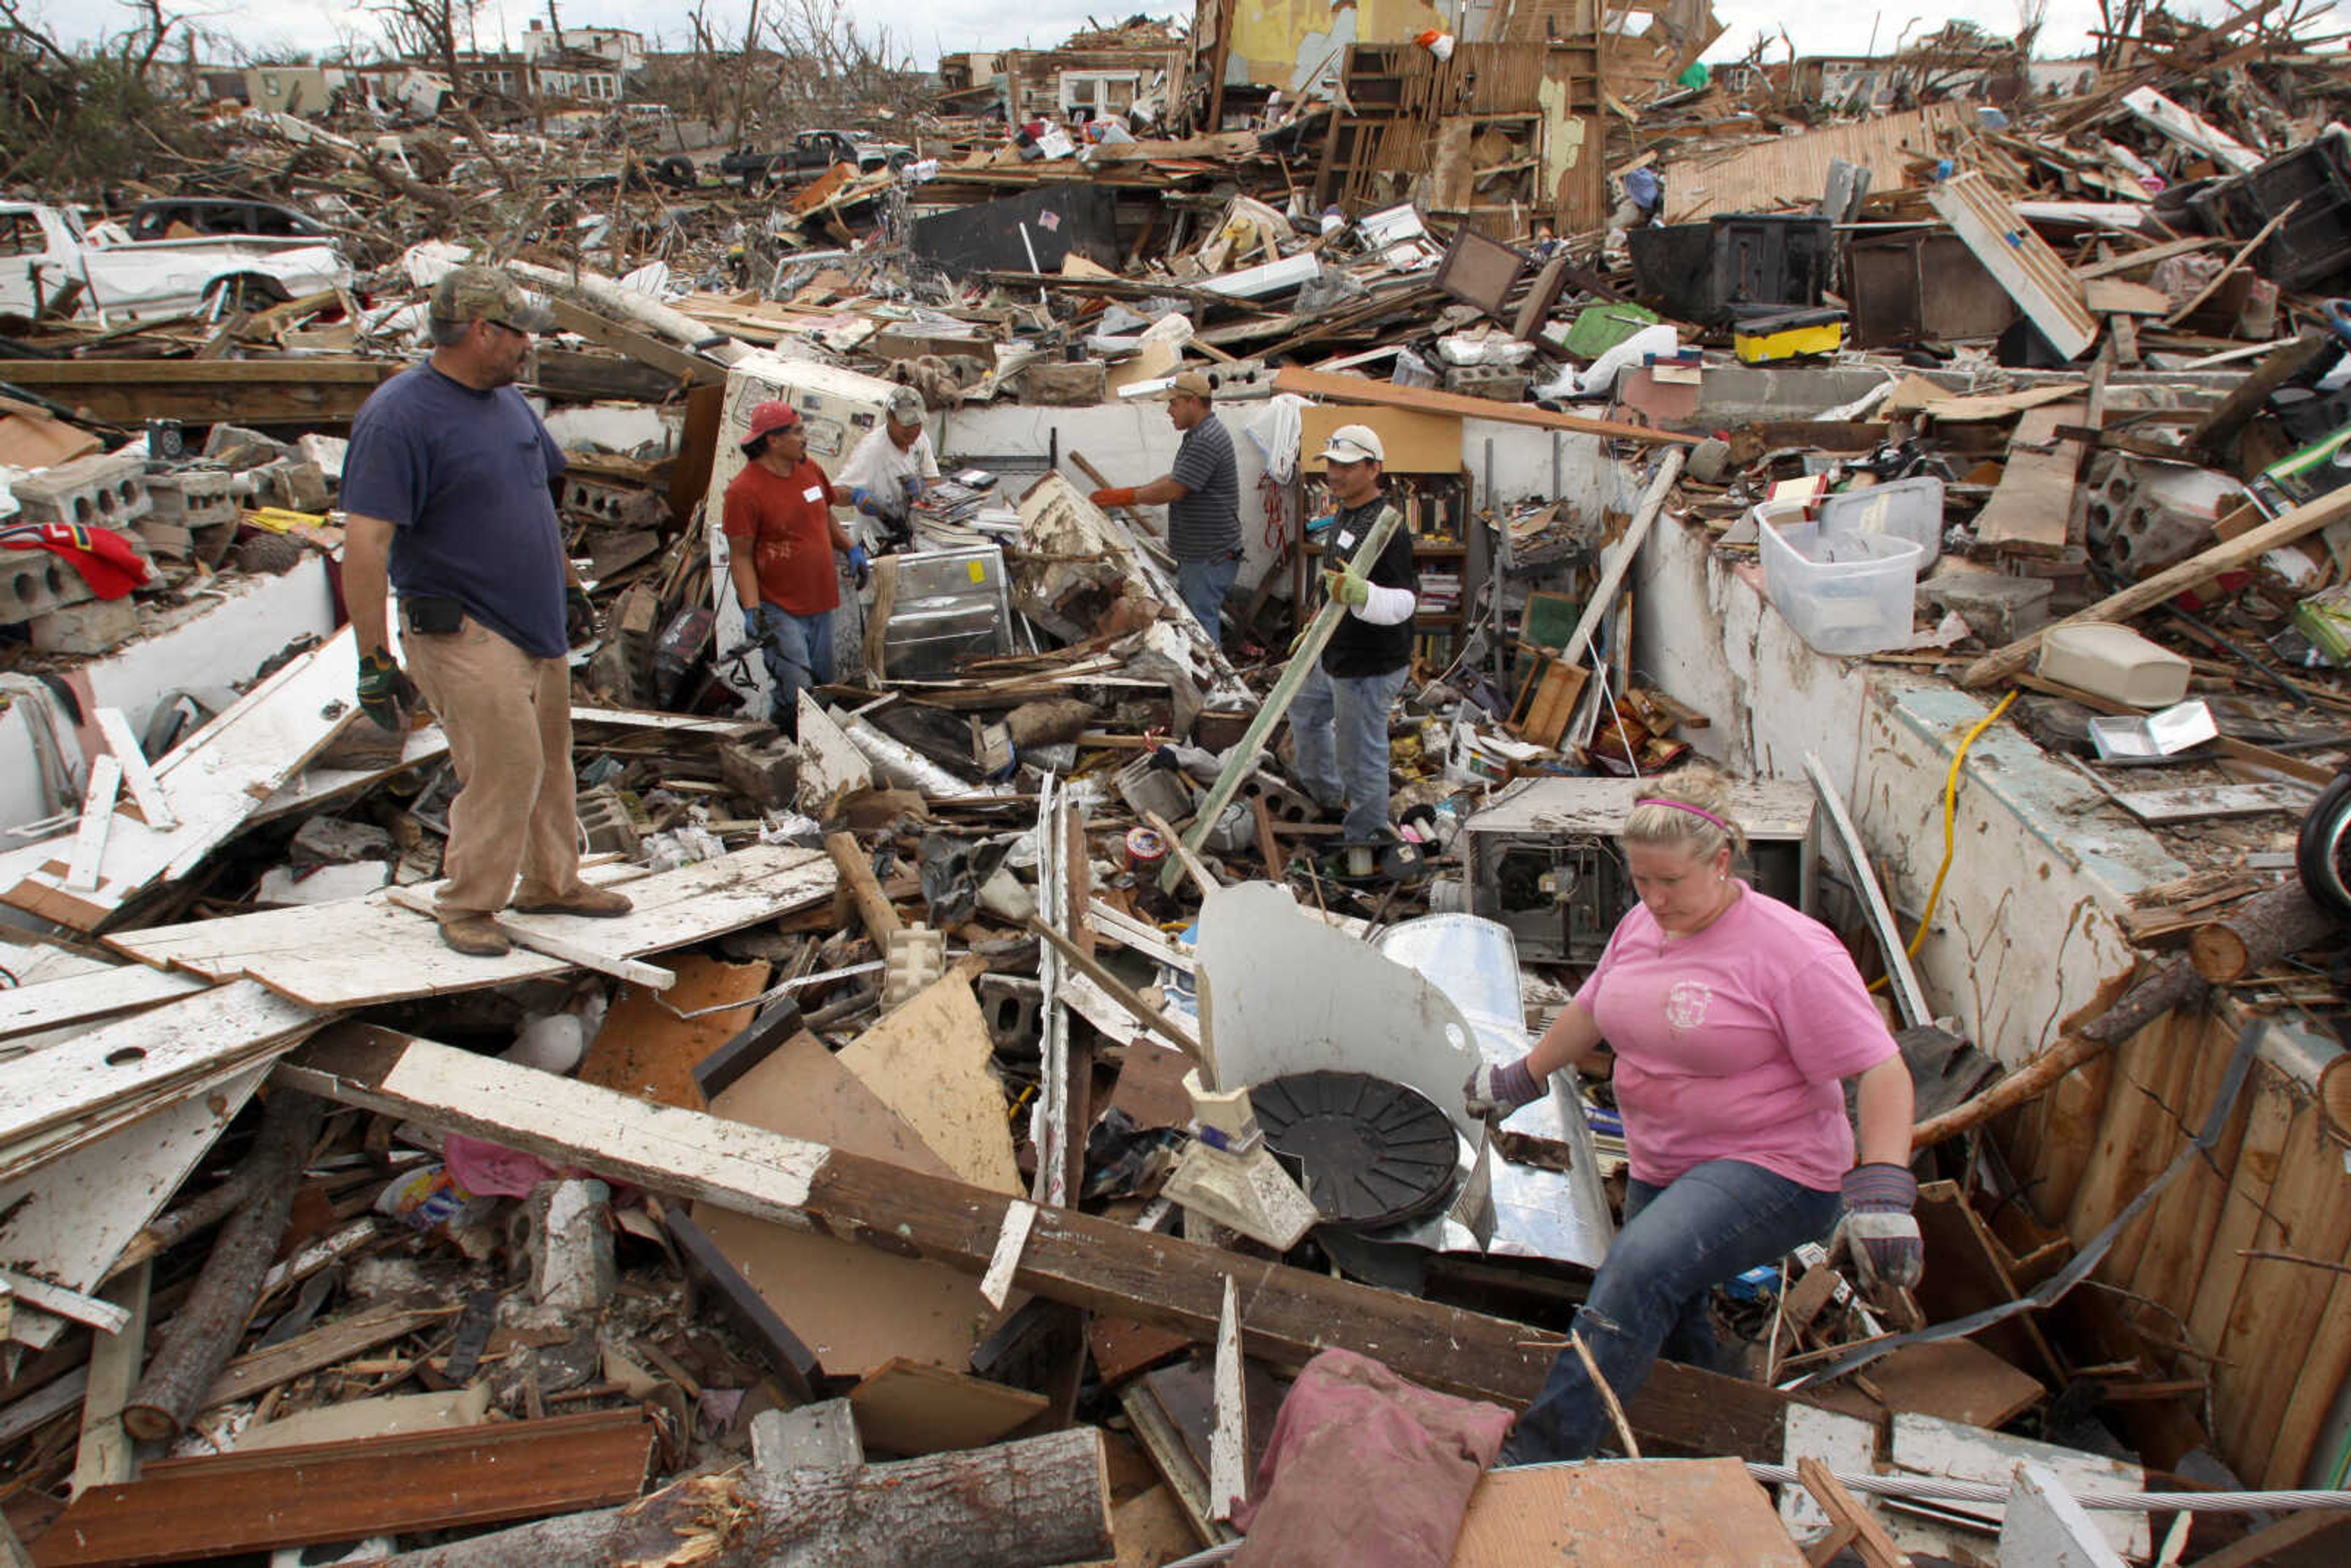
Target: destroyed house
{"x":1020,"y":1118}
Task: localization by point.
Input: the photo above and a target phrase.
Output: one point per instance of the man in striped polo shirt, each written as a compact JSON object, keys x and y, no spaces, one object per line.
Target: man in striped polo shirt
{"x":1202,"y":494}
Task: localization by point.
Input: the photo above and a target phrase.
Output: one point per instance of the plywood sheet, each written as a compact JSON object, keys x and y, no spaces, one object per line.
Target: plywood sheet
{"x":927,"y":1059}
{"x":1692,"y":1513}
{"x":368,"y":950}
{"x":2029,"y":511}
{"x":1794,"y":170}
{"x":1150,"y":1530}
{"x":1957,"y":1379}
{"x":855,"y":1306}
{"x":910,"y":1407}
{"x":646,"y":1049}
{"x":1414,"y":443}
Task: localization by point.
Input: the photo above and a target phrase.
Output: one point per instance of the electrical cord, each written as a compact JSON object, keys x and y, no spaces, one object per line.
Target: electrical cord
{"x":1950,"y":839}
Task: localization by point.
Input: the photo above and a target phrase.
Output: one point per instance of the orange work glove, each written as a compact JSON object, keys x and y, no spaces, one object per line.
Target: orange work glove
{"x":1113,"y":496}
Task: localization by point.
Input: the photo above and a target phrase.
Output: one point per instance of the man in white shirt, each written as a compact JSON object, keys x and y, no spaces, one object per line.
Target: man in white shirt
{"x":888,"y":471}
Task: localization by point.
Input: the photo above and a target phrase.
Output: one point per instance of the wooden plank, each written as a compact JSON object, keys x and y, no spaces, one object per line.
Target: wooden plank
{"x":131,"y":1066}
{"x":2042,"y":285}
{"x":251,"y":1375}
{"x":154,"y":803}
{"x":93,"y":1312}
{"x":1851,"y":1526}
{"x":104,"y":1457}
{"x":643,"y":347}
{"x":368,"y":950}
{"x":2206,"y":802}
{"x":308,"y":392}
{"x":49,"y":1004}
{"x":1908,"y":999}
{"x":909,"y":1407}
{"x":1956,"y":1379}
{"x":225,"y":1503}
{"x":1229,"y":1446}
{"x":1387,"y":394}
{"x":217,"y":779}
{"x":2264,"y":1544}
{"x":2244,"y":1210}
{"x":587,"y":955}
{"x":1287,"y":1315}
{"x":1926,"y":1447}
{"x":2029,"y":508}
{"x":1688,"y":1512}
{"x":2279,"y":1304}
{"x":96,"y":817}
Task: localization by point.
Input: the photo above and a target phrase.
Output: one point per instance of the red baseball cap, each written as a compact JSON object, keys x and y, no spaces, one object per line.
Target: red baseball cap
{"x":772,"y":415}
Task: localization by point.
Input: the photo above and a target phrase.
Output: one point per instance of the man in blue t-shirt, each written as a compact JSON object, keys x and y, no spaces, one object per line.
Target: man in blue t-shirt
{"x":447,"y":494}
{"x":1202,"y":493}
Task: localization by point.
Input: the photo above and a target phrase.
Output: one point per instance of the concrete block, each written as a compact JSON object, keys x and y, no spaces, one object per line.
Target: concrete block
{"x":1997,"y":608}
{"x":191,"y":498}
{"x":296,"y":485}
{"x":570,"y":1245}
{"x":105,"y":491}
{"x":821,"y":1437}
{"x":767,"y":774}
{"x":236,"y":447}
{"x":604,"y":817}
{"x":35,"y":582}
{"x":96,"y":627}
{"x":1497,"y":382}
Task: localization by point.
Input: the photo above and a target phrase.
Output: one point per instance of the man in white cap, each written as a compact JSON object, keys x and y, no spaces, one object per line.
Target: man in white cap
{"x":891,"y":466}
{"x":1339,"y":720}
{"x":446,"y":491}
{"x":1202,"y":494}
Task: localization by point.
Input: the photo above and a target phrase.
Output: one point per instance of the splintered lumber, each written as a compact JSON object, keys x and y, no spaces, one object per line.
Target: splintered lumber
{"x":2029,"y":508}
{"x":368,"y":950}
{"x":238,"y":1502}
{"x":1287,"y":1315}
{"x":2148,"y":592}
{"x":1040,"y":1500}
{"x":49,"y":1004}
{"x":856,"y":869}
{"x":2257,"y":933}
{"x":2041,"y":284}
{"x":203,"y":1334}
{"x":2285,"y":362}
{"x":2175,"y":985}
{"x":1334,"y":388}
{"x":251,"y":1375}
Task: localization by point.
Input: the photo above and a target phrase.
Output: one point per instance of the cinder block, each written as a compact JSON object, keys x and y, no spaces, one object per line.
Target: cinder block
{"x":106,"y":491}
{"x":1997,"y":608}
{"x":291,"y":483}
{"x":193,"y":498}
{"x":96,"y":627}
{"x":1497,"y":382}
{"x":35,"y":582}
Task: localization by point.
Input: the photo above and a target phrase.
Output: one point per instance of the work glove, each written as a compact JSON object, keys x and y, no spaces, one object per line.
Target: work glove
{"x":1113,"y":496}
{"x":579,"y":615}
{"x":1346,"y":588}
{"x":1491,"y":1093}
{"x":859,"y":563}
{"x":386,"y":694}
{"x":1877,"y":1231}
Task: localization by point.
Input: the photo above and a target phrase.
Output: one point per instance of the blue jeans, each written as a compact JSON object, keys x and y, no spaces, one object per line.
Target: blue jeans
{"x":1340,"y":728}
{"x":798,"y":652}
{"x":1711,"y":1223}
{"x":1204,"y":584}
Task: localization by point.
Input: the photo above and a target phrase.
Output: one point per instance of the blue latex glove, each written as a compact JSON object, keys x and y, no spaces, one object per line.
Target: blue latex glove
{"x":755,"y":623}
{"x":865,"y":501}
{"x":911,"y":485}
{"x":858,"y":563}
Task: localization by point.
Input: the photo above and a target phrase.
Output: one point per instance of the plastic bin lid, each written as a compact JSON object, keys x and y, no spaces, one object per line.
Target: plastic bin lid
{"x":1369,"y":1151}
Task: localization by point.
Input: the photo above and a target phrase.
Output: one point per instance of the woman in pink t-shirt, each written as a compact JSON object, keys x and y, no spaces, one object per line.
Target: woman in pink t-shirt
{"x":1735,"y":1021}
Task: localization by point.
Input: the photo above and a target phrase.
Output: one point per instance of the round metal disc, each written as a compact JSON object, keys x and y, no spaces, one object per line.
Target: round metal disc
{"x":1371,"y":1152}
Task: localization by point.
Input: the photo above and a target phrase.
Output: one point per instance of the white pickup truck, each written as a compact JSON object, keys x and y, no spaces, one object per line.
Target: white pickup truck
{"x":44,"y":250}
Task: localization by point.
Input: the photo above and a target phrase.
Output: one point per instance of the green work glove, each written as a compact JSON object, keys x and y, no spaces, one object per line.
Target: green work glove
{"x":1346,"y":588}
{"x":386,"y":694}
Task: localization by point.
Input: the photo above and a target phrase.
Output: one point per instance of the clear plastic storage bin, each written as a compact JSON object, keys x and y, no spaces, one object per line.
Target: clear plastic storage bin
{"x":1844,"y":593}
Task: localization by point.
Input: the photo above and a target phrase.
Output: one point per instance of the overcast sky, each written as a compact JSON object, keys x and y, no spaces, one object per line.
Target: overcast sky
{"x":925,"y":28}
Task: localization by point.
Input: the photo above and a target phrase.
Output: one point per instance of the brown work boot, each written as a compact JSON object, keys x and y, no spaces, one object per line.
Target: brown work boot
{"x":477,"y":936}
{"x":597,"y":902}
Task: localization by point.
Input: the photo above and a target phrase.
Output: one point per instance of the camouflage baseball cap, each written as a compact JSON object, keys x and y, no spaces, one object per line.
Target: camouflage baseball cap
{"x":486,"y":294}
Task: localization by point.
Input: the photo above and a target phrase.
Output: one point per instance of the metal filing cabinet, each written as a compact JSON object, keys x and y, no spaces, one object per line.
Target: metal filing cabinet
{"x":1546,"y":863}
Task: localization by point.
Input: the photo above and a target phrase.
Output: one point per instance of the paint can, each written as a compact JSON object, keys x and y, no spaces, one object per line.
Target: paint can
{"x":1145,"y":849}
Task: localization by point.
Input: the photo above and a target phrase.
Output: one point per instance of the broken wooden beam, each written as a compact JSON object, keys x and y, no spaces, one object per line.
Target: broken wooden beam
{"x":181,"y":1509}
{"x":1332,"y":388}
{"x":1288,"y":1315}
{"x":309,"y":391}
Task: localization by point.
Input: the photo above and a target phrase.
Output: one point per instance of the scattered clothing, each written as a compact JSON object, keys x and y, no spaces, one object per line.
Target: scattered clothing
{"x":110,"y":564}
{"x":1365,"y":1470}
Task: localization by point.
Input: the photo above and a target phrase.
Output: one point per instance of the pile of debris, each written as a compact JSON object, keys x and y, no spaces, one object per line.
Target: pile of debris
{"x":917,"y":1175}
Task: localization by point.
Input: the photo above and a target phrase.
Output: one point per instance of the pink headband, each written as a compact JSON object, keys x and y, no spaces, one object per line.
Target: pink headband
{"x":1684,"y":806}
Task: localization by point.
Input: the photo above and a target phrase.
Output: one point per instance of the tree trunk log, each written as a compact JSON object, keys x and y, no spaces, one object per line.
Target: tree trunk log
{"x":2258,"y":932}
{"x":2176,"y":985}
{"x":1040,"y":1500}
{"x":204,"y":1333}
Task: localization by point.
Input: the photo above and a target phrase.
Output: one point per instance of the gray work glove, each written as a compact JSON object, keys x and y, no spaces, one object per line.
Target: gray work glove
{"x":1878,"y":1232}
{"x":1492,"y":1093}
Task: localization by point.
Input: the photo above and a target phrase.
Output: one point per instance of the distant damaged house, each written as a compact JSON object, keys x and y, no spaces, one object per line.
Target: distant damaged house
{"x":1107,"y":70}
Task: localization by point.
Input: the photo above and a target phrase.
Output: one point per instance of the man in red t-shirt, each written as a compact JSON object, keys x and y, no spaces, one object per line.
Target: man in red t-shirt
{"x":780,"y":518}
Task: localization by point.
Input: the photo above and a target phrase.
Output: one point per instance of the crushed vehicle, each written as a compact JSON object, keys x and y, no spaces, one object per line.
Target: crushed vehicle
{"x":46,"y":257}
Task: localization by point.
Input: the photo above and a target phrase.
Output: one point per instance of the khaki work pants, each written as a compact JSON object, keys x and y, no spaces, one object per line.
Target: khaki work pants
{"x":508,"y":720}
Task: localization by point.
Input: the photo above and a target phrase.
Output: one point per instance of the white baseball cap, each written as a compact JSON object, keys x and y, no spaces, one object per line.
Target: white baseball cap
{"x":1354,"y":443}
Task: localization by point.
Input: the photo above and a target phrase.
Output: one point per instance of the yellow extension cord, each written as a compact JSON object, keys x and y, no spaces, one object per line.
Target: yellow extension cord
{"x":1950,"y":840}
